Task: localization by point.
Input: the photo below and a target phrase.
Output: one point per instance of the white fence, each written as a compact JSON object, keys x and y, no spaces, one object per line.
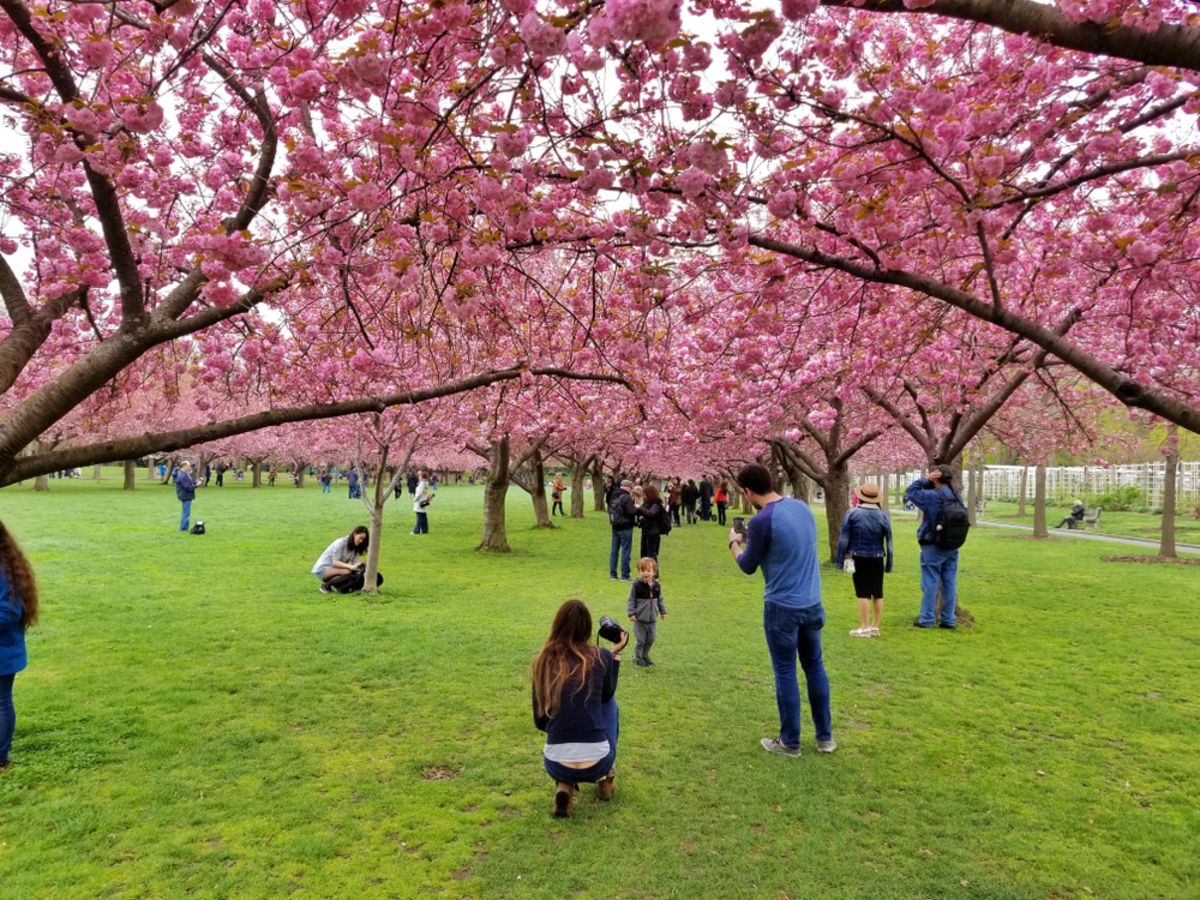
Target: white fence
{"x":1065,"y":483}
{"x":1089,"y":482}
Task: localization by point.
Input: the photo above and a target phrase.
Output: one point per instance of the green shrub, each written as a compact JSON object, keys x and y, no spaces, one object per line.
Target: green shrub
{"x":1122,"y":499}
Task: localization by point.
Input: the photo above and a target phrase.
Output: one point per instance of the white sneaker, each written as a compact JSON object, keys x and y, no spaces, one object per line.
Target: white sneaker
{"x":874,"y":631}
{"x":861,"y":632}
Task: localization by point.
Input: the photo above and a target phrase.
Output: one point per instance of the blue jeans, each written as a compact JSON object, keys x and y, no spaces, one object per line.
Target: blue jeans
{"x":8,"y":716}
{"x":791,"y":633}
{"x":622,"y":545}
{"x":326,"y":487}
{"x":422,"y":526}
{"x":187,"y":514}
{"x":938,"y":567}
{"x":612,"y":726}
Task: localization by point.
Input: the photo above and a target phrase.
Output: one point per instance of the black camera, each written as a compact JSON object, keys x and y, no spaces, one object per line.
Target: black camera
{"x":610,"y":629}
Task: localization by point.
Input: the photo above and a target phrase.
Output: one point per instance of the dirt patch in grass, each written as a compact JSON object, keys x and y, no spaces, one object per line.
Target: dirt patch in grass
{"x":1169,"y":560}
{"x":441,"y":773}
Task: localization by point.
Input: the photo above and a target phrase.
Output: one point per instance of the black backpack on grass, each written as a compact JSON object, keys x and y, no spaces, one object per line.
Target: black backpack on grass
{"x":353,"y":581}
{"x":953,"y":523}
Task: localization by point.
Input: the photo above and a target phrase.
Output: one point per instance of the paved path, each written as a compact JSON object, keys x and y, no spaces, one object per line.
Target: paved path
{"x":1082,"y":535}
{"x":1092,"y":536}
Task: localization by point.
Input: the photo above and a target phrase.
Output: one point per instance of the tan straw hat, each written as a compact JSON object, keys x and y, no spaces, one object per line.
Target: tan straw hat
{"x":868,"y":493}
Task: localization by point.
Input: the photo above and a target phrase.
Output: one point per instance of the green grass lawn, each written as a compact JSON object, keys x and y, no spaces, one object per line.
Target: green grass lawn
{"x":198,"y":720}
{"x":1123,"y":524}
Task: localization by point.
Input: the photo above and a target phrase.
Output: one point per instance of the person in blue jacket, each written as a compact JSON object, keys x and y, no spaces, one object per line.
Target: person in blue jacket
{"x":866,"y":539}
{"x":18,"y":611}
{"x":939,"y":567}
{"x":185,"y":490}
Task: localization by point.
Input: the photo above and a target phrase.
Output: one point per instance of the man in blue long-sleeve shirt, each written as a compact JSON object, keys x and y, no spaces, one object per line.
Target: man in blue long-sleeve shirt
{"x":939,"y":567}
{"x":782,"y":539}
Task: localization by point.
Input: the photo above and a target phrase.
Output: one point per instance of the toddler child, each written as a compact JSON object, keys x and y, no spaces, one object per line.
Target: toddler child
{"x":644,"y":608}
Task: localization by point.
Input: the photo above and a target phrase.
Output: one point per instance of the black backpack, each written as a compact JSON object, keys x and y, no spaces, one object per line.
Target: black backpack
{"x":198,"y":528}
{"x":664,"y":521}
{"x":617,"y":516}
{"x":353,"y":581}
{"x":953,"y":523}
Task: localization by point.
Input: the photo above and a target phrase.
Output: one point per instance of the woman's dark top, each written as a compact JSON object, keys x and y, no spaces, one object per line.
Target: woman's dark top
{"x":579,"y":718}
{"x":650,"y":516}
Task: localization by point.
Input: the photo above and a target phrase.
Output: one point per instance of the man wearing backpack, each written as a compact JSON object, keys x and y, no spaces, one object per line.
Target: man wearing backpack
{"x":942,"y":531}
{"x":621,"y":514}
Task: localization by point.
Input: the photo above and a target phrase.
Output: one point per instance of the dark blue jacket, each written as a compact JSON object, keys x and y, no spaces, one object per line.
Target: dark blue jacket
{"x":580,"y":719}
{"x":185,"y":488}
{"x":866,"y":531}
{"x":12,"y":636}
{"x":929,"y":499}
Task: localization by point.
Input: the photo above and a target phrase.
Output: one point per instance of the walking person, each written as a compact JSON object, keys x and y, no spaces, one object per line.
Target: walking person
{"x":185,"y":491}
{"x":690,"y":494}
{"x":650,"y":515}
{"x":556,"y":494}
{"x":706,"y":496}
{"x":721,"y":498}
{"x":421,"y":499}
{"x":865,"y":543}
{"x":674,"y":499}
{"x":574,"y":702}
{"x":352,"y":483}
{"x":782,"y":539}
{"x":18,"y":613}
{"x":939,"y":560}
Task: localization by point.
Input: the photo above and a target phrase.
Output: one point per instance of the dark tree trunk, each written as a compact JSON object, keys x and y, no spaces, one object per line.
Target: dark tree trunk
{"x":383,"y":490}
{"x":541,"y":509}
{"x":598,"y":486}
{"x":130,"y":475}
{"x":1166,"y":547}
{"x":885,"y":505}
{"x":578,"y":476}
{"x":495,"y":536}
{"x":972,"y":492}
{"x":1021,"y":493}
{"x":256,"y":481}
{"x":1039,"y":502}
{"x":837,"y":504}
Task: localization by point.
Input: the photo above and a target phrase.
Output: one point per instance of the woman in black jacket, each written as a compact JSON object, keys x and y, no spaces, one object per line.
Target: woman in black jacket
{"x":650,"y":515}
{"x":574,"y":702}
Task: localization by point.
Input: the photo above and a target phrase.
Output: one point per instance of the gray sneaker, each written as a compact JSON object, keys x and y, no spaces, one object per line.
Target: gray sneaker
{"x":772,"y":745}
{"x":826,"y":746}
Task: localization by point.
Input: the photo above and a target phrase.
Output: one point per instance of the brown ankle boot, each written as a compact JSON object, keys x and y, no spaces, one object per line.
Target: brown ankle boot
{"x":564,"y":800}
{"x":606,"y":785}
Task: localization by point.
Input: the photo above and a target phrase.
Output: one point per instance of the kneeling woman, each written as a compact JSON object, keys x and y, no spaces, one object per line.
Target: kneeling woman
{"x":574,"y":702}
{"x":341,"y":557}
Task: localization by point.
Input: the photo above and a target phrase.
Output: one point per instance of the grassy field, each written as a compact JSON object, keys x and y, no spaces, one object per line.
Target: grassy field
{"x":198,"y":720}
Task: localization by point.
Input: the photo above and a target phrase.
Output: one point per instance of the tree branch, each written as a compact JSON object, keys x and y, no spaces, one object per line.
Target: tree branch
{"x":1167,"y":45}
{"x":1127,"y":390}
{"x":131,"y":448}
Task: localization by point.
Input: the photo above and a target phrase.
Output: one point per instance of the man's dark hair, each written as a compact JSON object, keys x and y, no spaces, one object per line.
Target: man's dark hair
{"x":756,"y":478}
{"x":945,"y":474}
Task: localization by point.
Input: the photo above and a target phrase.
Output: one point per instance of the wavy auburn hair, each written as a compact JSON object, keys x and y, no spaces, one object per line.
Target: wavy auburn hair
{"x":566,"y":658}
{"x":20,"y":577}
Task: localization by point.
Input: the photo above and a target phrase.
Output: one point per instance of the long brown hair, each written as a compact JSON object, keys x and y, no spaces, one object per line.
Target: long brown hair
{"x":19,"y":573}
{"x":566,"y":657}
